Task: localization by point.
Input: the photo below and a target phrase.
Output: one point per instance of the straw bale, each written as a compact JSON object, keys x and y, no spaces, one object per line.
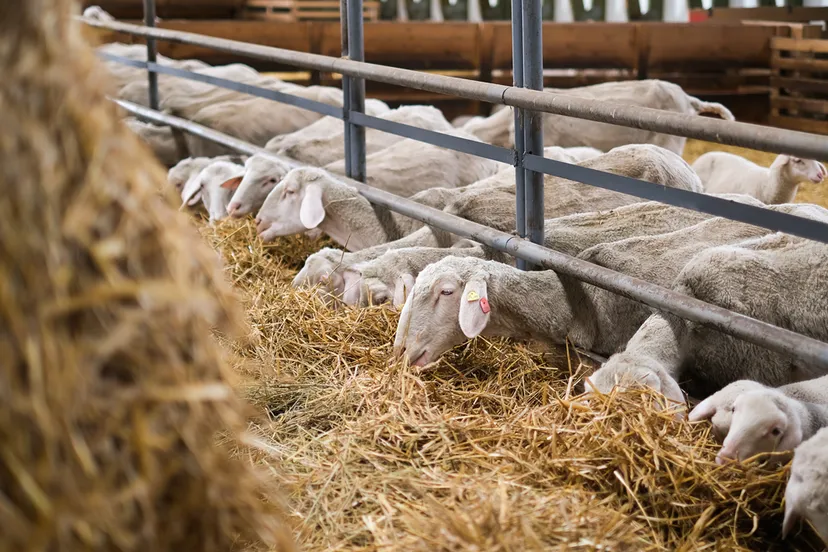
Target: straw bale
{"x":114,"y":393}
{"x":491,"y":449}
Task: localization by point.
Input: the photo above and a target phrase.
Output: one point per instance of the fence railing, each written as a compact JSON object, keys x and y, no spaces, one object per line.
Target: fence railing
{"x":527,"y":159}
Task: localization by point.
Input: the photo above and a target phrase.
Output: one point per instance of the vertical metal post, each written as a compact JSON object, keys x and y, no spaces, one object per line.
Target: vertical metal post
{"x":149,"y":21}
{"x":356,"y":52}
{"x":517,"y":80}
{"x":533,"y":127}
{"x":346,"y":87}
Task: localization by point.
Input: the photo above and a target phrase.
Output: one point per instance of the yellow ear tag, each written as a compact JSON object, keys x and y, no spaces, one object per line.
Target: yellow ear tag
{"x":472,"y":296}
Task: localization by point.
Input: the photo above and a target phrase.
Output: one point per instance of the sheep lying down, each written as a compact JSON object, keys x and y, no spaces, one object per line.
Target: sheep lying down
{"x":459,"y":298}
{"x":492,"y":202}
{"x":341,"y":211}
{"x":776,"y":278}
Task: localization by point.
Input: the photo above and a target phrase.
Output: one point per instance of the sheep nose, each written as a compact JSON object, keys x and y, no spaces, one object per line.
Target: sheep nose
{"x":233,"y":207}
{"x":399,"y":352}
{"x":258,"y":220}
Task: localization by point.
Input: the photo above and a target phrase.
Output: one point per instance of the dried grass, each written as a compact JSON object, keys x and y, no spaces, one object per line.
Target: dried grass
{"x":488,"y":450}
{"x":112,"y":390}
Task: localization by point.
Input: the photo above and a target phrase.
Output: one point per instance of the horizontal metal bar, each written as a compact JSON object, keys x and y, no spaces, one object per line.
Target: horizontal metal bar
{"x":275,"y":95}
{"x":716,"y":206}
{"x":691,"y":126}
{"x":464,"y":145}
{"x":738,"y":325}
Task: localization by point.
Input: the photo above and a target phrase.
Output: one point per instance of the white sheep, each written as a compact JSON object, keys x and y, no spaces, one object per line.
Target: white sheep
{"x":775,"y":278}
{"x":323,"y":142}
{"x":718,"y":407}
{"x":499,"y":128}
{"x":183,"y":175}
{"x":410,"y":166}
{"x":722,"y":172}
{"x":261,"y":174}
{"x":542,"y":305}
{"x":492,"y":201}
{"x":217,"y":182}
{"x":385,"y":276}
{"x":806,"y":495}
{"x":310,"y":196}
{"x":571,"y":155}
{"x":765,"y":421}
{"x":390,"y":277}
{"x":158,"y":138}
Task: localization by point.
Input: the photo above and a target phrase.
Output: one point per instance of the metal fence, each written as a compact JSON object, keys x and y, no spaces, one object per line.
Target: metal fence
{"x":527,"y":156}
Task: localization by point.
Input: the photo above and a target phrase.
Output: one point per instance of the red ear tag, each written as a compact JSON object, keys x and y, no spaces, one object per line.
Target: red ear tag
{"x":484,"y":305}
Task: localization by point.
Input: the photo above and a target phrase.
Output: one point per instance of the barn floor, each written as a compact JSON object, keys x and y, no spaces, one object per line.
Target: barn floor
{"x":489,"y":450}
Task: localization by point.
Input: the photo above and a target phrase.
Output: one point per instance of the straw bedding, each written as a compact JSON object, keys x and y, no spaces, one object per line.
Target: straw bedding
{"x":113,"y":392}
{"x":489,"y":450}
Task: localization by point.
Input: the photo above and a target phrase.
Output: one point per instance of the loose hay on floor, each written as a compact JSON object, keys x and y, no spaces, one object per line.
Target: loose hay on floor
{"x":486,"y":451}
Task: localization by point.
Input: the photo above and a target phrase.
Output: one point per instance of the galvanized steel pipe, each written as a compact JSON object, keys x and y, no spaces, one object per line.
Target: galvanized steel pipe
{"x":703,"y":128}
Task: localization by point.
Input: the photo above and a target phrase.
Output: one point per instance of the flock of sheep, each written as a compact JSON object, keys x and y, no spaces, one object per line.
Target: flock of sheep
{"x":452,"y":289}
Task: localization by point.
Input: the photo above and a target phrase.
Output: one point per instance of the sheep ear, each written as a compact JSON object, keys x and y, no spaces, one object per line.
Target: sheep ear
{"x":232,"y":184}
{"x":703,"y":411}
{"x":474,"y":308}
{"x":312,"y":212}
{"x":403,"y":287}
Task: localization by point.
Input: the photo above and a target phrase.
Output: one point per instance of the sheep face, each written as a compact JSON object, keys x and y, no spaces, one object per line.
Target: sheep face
{"x":178,"y":175}
{"x":759,"y":426}
{"x":294,"y":206}
{"x":807,"y":169}
{"x":718,"y":408}
{"x":261,"y":175}
{"x":217,"y":183}
{"x":443,"y":310}
{"x":805,"y":492}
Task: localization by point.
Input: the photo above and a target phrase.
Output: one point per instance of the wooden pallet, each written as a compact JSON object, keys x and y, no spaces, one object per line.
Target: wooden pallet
{"x":799,"y":84}
{"x":303,"y":10}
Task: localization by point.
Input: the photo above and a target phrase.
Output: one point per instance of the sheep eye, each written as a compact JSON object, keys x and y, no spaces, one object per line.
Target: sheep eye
{"x":776,"y":432}
{"x":289,"y":192}
{"x":447,"y":292}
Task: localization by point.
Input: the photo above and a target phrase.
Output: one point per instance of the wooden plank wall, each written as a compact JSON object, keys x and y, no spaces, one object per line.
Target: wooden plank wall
{"x":726,"y":61}
{"x":191,"y":9}
{"x":799,"y":84}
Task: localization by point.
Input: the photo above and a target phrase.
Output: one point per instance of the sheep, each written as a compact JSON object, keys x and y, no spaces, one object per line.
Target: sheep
{"x":217,"y":182}
{"x":308,"y":198}
{"x":158,"y":138}
{"x":498,"y":129}
{"x":381,"y":277}
{"x":492,"y":202}
{"x":182,"y":177}
{"x":767,"y":420}
{"x":257,"y":120}
{"x":571,"y":155}
{"x":261,"y":174}
{"x":322,"y":142}
{"x":722,"y":172}
{"x":754,"y":278}
{"x":718,"y":407}
{"x":410,"y":166}
{"x":806,"y":495}
{"x":390,"y":277}
{"x":463,"y":120}
{"x":543,"y":305}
